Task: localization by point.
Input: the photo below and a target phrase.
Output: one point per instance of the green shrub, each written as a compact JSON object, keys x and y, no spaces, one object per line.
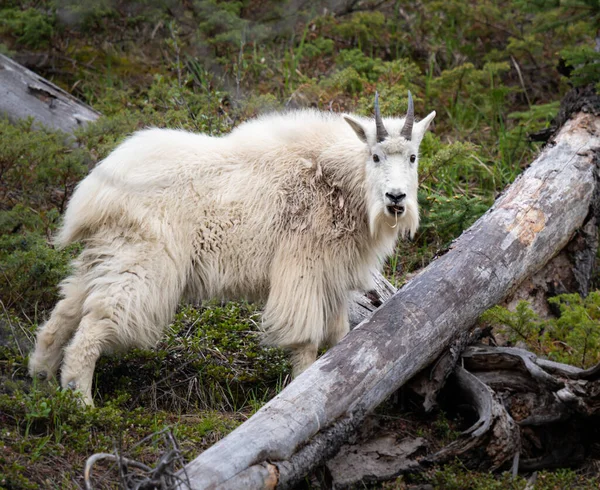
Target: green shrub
{"x":31,"y":27}
{"x":366,"y":66}
{"x":347,"y":80}
{"x":364,"y":29}
{"x":318,"y":47}
{"x":30,"y":268}
{"x":520,"y":325}
{"x":585,"y":62}
{"x":572,"y":338}
{"x":38,"y":167}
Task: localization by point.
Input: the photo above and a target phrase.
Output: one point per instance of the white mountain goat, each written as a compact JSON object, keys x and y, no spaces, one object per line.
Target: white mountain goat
{"x":295,"y":209}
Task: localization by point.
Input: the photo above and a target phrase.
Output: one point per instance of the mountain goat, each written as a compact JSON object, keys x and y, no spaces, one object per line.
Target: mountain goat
{"x":294,"y":209}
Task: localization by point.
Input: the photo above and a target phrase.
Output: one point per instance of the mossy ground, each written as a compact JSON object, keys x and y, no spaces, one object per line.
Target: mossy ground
{"x":493,"y":71}
{"x":207,"y":375}
{"x":457,"y":477}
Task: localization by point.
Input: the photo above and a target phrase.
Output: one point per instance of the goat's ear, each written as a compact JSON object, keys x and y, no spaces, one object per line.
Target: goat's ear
{"x":357,"y":127}
{"x":421,"y":127}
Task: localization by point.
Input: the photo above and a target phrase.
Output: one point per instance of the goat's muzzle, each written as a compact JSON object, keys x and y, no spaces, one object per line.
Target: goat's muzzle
{"x":395,"y":203}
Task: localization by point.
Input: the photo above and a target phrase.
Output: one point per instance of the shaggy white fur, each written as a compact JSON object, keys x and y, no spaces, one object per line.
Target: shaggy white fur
{"x":288,"y":208}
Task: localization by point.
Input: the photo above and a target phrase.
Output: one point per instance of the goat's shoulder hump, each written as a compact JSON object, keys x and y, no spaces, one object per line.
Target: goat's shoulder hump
{"x":277,"y":124}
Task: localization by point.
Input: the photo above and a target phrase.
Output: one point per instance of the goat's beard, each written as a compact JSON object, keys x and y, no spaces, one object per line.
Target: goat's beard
{"x":404,"y":224}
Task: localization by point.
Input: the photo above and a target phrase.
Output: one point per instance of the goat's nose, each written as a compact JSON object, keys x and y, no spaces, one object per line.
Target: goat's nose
{"x":395,"y":198}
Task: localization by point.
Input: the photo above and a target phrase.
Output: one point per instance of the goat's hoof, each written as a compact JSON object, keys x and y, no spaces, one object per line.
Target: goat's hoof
{"x":72,"y":385}
{"x":42,"y":375}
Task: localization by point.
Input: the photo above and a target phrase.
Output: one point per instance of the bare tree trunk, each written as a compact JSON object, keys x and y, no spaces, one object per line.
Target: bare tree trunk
{"x":24,"y":94}
{"x":308,"y":421}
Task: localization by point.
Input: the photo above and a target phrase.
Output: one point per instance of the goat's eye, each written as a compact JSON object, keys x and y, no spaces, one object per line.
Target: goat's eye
{"x":413,"y":158}
{"x":376,"y":158}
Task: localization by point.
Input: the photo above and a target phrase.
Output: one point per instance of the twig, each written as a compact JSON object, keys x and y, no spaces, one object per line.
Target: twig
{"x":94,"y":458}
{"x":162,"y":476}
{"x":518,"y":68}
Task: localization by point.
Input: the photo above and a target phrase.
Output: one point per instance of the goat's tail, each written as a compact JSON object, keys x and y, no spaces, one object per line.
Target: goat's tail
{"x":89,"y":207}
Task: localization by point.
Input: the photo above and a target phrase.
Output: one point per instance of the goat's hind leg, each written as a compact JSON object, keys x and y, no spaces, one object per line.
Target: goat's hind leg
{"x":57,"y":331}
{"x":93,"y":337}
{"x":133,"y":297}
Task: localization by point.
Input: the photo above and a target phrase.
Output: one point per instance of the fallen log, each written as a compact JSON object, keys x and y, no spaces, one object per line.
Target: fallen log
{"x":24,"y":94}
{"x":308,"y":421}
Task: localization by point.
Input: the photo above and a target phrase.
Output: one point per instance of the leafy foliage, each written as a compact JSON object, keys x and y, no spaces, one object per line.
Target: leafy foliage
{"x":30,"y":269}
{"x":31,"y":27}
{"x":585,"y":62}
{"x":34,"y":159}
{"x":521,"y":325}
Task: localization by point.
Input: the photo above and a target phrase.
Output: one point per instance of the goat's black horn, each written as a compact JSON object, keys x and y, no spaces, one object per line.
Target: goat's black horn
{"x":381,"y":131}
{"x":410,"y":118}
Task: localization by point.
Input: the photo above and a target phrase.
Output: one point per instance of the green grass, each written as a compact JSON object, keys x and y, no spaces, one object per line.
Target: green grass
{"x":208,"y":375}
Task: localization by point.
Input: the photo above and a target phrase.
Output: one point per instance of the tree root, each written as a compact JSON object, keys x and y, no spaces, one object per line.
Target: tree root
{"x":531,"y":414}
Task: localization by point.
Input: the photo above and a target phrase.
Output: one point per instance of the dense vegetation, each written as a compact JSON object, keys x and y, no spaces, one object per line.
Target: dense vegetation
{"x":493,"y":70}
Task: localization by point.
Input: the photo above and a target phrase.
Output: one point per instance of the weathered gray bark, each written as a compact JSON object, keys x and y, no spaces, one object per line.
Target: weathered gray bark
{"x":531,"y":414}
{"x":308,"y":421}
{"x":362,"y":306}
{"x":24,"y":94}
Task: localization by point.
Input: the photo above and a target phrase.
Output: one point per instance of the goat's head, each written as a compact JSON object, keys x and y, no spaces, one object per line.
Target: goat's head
{"x":391,"y":167}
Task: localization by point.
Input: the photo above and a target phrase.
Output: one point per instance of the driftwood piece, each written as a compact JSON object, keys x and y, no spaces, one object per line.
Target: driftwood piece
{"x":309,"y":420}
{"x":549,"y":401}
{"x":494,"y":424}
{"x":24,"y":94}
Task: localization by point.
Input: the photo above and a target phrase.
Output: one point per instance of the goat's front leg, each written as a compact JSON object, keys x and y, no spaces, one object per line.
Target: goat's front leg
{"x":339,"y":326}
{"x":302,"y":356}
